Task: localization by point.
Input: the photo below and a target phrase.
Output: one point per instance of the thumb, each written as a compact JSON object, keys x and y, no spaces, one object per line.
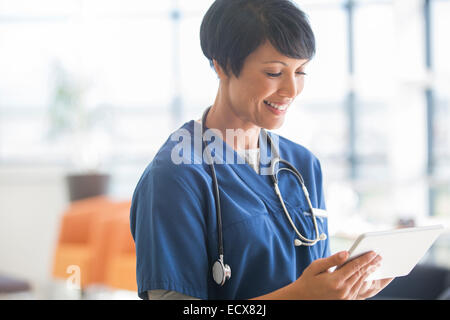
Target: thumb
{"x":322,"y":265}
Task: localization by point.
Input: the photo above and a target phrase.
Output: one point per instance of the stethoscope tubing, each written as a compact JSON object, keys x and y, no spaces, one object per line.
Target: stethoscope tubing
{"x":216,"y":192}
{"x":274,"y":175}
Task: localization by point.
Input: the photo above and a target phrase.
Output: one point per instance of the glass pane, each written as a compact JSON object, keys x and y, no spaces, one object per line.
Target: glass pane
{"x":441,"y":67}
{"x":26,"y":55}
{"x":131,"y":60}
{"x":44,"y":9}
{"x":441,"y":200}
{"x":317,"y":119}
{"x":317,"y":4}
{"x":374,"y":82}
{"x":112,"y":56}
{"x":372,"y":138}
{"x":139,"y":135}
{"x":123,"y":62}
{"x":197,"y":7}
{"x":440,"y":44}
{"x":21,"y":138}
{"x":375,"y":204}
{"x":374,"y":43}
{"x":199,"y":82}
{"x":327,"y":72}
{"x":124,"y":7}
{"x":441,"y":132}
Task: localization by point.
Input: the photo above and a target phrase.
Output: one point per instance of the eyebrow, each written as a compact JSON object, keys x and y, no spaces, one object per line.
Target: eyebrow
{"x":283,"y":63}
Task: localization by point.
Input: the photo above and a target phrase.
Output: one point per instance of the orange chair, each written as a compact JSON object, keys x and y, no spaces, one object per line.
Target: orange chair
{"x":84,"y":238}
{"x":121,"y":263}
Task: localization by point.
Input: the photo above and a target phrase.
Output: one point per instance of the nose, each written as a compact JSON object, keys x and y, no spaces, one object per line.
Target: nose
{"x":291,"y":87}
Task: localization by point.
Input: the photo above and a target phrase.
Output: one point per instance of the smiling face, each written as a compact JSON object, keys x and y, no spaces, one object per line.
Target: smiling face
{"x":266,"y":87}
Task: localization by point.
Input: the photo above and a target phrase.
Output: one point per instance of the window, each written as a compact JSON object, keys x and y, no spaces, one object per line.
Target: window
{"x":440,"y":77}
{"x":362,"y":112}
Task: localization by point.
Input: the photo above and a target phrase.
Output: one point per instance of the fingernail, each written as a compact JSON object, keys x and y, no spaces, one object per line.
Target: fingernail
{"x":342,"y":254}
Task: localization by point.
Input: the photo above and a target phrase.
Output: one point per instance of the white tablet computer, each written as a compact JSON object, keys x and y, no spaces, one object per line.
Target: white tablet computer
{"x":400,"y":249}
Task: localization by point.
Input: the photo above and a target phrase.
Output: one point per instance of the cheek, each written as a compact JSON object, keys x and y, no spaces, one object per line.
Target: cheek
{"x":263,"y":88}
{"x":253,"y":89}
{"x":300,"y":86}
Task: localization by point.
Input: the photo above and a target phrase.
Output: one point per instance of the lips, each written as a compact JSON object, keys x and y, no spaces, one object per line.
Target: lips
{"x":277,"y":111}
{"x":278,"y":106}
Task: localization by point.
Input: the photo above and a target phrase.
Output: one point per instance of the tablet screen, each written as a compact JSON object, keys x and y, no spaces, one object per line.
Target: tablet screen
{"x":401,"y":249}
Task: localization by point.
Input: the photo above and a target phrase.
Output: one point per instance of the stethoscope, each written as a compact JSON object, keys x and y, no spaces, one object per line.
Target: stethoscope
{"x":221,"y":271}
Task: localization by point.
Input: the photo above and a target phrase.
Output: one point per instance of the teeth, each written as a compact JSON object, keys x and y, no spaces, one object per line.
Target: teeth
{"x":276,"y":106}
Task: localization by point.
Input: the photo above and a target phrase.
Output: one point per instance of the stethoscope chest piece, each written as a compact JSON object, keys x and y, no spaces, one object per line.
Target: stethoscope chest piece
{"x":221,"y":272}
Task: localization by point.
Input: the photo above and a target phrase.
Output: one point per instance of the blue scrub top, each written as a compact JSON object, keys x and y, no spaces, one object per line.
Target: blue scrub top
{"x":173,"y":222}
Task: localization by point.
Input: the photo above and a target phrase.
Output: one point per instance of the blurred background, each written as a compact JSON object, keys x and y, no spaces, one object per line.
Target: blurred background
{"x":90,"y":89}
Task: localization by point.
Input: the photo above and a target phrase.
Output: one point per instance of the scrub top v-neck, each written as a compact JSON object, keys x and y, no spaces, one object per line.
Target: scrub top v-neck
{"x":173,"y":221}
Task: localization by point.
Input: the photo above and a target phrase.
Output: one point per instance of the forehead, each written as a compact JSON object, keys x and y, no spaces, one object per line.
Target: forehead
{"x":267,"y":53}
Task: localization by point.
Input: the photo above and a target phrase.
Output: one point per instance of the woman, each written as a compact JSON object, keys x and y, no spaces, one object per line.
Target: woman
{"x":259,"y":50}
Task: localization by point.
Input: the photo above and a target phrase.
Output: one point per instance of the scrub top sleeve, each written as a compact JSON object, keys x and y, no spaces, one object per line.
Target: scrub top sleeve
{"x":319,"y":185}
{"x":326,"y":252}
{"x":168,"y":225}
{"x":168,"y":295}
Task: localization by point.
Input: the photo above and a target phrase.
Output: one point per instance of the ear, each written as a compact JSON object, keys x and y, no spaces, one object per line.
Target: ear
{"x":219,"y":70}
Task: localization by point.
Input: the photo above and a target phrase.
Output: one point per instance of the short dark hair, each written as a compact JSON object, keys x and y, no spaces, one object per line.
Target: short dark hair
{"x":233,"y":29}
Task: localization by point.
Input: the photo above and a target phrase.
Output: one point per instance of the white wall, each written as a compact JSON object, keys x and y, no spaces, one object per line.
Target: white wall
{"x":31,"y":202}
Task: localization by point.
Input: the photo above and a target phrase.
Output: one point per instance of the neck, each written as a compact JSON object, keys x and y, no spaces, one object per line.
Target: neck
{"x":236,"y":132}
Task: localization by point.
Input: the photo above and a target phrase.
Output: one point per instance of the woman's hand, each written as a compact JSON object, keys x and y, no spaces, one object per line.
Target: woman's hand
{"x":346,"y":282}
{"x":371,"y":288}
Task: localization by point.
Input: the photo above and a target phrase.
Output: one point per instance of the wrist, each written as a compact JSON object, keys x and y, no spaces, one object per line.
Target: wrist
{"x":292,"y":291}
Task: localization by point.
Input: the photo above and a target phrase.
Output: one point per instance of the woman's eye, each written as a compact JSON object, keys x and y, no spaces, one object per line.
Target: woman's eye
{"x":274,"y":74}
{"x":279,"y":74}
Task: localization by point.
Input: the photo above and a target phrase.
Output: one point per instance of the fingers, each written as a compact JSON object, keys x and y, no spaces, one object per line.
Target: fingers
{"x":361,"y":284}
{"x":355,"y":267}
{"x":375,"y":288}
{"x":322,"y":265}
{"x":364,"y":271}
{"x":385,"y":282}
{"x":365,"y":291}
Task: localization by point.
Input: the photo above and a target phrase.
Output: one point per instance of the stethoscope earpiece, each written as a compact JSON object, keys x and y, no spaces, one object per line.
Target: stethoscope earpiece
{"x":299,"y":243}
